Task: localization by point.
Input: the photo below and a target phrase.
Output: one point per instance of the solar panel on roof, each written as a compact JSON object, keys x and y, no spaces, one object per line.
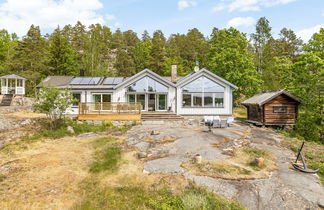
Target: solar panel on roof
{"x":85,"y":81}
{"x":109,"y":81}
{"x":118,"y":80}
{"x":94,"y":80}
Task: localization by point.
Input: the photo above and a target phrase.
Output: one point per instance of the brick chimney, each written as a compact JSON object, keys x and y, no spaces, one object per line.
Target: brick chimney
{"x":174,"y":73}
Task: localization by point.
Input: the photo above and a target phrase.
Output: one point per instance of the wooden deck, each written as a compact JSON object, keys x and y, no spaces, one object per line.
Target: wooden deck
{"x":109,"y":111}
{"x":109,"y":117}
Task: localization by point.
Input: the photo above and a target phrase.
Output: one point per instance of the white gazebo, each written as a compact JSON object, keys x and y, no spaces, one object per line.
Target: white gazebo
{"x":13,"y":84}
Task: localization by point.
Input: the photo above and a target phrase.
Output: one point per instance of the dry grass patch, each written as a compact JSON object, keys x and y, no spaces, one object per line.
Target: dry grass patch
{"x":46,"y":175}
{"x":241,"y":166}
{"x":24,"y":115}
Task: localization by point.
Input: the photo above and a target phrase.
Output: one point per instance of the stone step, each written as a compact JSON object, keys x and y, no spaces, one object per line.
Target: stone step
{"x":161,"y":116}
{"x":6,"y":100}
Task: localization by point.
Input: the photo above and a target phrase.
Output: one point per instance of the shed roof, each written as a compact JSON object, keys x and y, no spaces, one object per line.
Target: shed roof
{"x":12,"y":76}
{"x":264,"y":97}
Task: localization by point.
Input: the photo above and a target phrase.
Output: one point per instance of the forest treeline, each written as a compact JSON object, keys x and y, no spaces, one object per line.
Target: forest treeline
{"x":255,"y":62}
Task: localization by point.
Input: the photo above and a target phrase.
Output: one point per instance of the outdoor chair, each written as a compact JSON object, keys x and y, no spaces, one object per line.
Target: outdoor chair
{"x":223,"y":123}
{"x":216,"y":121}
{"x":230,"y":121}
{"x":208,"y":119}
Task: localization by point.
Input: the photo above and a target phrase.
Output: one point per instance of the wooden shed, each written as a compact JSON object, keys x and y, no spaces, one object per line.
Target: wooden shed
{"x":272,"y":108}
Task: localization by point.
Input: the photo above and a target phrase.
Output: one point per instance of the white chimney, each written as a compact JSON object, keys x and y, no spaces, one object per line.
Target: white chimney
{"x":174,"y":73}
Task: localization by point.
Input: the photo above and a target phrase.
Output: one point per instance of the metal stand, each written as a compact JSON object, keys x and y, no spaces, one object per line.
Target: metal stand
{"x":209,"y":124}
{"x":305,"y":169}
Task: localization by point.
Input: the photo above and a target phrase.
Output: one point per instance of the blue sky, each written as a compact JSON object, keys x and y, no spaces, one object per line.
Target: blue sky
{"x":171,"y":16}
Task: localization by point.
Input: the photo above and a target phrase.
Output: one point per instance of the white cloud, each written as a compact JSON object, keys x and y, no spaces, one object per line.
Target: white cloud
{"x":248,"y":5}
{"x":110,"y":17}
{"x":240,"y":21}
{"x":307,"y":33}
{"x":218,"y":7}
{"x":17,"y":16}
{"x":183,"y":4}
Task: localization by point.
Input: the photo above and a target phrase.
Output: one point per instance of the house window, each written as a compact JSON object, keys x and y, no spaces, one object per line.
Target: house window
{"x":197,"y":99}
{"x":101,"y":97}
{"x":147,"y":84}
{"x":77,"y":97}
{"x":140,"y":98}
{"x":186,"y":98}
{"x":203,"y":92}
{"x":280,"y":109}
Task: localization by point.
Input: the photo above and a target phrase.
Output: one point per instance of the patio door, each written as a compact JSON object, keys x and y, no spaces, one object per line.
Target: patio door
{"x":161,"y":102}
{"x":98,"y":98}
{"x":151,"y":103}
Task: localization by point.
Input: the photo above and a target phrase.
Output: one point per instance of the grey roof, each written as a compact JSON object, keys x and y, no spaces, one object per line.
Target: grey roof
{"x":115,"y":82}
{"x":56,"y":81}
{"x":264,"y":97}
{"x":12,"y":76}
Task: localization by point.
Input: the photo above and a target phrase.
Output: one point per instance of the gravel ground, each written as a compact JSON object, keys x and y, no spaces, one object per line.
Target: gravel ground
{"x":285,"y":189}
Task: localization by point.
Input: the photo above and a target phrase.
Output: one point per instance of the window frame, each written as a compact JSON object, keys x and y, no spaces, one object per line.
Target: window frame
{"x":101,"y":97}
{"x":276,"y":109}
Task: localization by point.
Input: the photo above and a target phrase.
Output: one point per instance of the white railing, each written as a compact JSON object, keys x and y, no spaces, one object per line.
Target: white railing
{"x":13,"y":90}
{"x":20,"y":90}
{"x":4,"y":90}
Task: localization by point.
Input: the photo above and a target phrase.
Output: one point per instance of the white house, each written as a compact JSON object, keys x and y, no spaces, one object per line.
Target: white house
{"x":199,"y":93}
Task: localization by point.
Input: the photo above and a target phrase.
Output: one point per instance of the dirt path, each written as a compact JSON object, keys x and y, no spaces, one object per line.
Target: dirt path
{"x":45,"y":175}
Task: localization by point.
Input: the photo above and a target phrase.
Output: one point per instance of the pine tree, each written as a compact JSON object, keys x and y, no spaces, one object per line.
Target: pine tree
{"x":31,"y":58}
{"x":260,"y":38}
{"x":158,"y":52}
{"x":142,"y":53}
{"x":63,"y":58}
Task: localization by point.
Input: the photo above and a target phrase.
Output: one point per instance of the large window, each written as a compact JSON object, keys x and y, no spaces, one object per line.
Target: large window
{"x":147,"y":84}
{"x":203,"y":92}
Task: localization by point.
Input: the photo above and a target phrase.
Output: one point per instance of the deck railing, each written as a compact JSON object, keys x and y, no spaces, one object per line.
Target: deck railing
{"x":109,"y":108}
